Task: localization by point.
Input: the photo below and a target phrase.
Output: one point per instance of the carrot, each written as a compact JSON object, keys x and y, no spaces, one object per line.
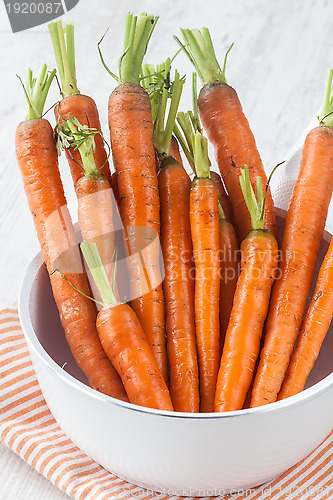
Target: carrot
{"x":314,"y":328}
{"x":228,"y":248}
{"x":178,"y":284}
{"x":227,"y":128}
{"x":125,"y":343}
{"x":229,"y":270}
{"x":205,"y":239}
{"x":302,"y":236}
{"x":204,"y":222}
{"x":74,"y":104}
{"x":93,"y":190}
{"x":131,"y":134}
{"x":242,"y":341}
{"x":115,"y":188}
{"x":38,"y":162}
{"x":222,"y":195}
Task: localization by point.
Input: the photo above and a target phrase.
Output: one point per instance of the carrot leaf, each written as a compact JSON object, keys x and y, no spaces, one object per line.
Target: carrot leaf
{"x":198,"y":47}
{"x":64,"y":50}
{"x":36,"y":90}
{"x":79,"y":137}
{"x":326,"y":116}
{"x":75,"y":288}
{"x":254,"y":200}
{"x":95,"y":265}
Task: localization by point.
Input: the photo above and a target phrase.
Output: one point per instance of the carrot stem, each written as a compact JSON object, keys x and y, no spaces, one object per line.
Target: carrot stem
{"x":196,"y":145}
{"x":138,"y":31}
{"x":64,"y":50}
{"x":199,"y":49}
{"x":326,"y":116}
{"x":163,"y":90}
{"x":79,"y":137}
{"x":94,"y":262}
{"x":151,"y":81}
{"x":254,"y":201}
{"x":36,"y":90}
{"x":184,"y":136}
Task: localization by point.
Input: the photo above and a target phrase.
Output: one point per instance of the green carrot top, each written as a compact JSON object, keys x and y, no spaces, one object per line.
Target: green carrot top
{"x":326,"y":116}
{"x":255,"y":202}
{"x":63,"y":44}
{"x":198,"y":47}
{"x":36,"y":90}
{"x":190,"y":136}
{"x":161,"y":90}
{"x":138,"y":31}
{"x":72,"y":134}
{"x":95,"y":265}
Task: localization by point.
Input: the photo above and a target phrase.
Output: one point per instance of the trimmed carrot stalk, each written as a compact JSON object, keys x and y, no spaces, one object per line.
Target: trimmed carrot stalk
{"x":304,"y":228}
{"x":229,"y":271}
{"x":178,"y":284}
{"x":174,"y":151}
{"x":227,"y":129}
{"x":204,"y":223}
{"x":38,"y":161}
{"x":125,"y":343}
{"x":131,"y":134}
{"x":222,"y":195}
{"x":259,"y":252}
{"x":74,"y":104}
{"x":314,"y":329}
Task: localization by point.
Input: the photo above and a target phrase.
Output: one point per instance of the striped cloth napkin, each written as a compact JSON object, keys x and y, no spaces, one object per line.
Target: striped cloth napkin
{"x":28,"y":428}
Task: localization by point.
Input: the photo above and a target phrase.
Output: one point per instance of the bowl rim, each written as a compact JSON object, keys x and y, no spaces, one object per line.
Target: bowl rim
{"x":34,"y":344}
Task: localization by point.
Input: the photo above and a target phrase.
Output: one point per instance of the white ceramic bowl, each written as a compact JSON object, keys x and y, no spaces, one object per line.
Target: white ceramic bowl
{"x":174,"y":453}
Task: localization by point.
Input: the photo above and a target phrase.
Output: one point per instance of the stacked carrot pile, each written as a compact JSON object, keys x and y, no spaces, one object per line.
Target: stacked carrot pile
{"x":222,"y":324}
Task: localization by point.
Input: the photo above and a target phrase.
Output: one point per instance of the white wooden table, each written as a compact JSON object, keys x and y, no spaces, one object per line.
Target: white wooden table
{"x":278,"y":65}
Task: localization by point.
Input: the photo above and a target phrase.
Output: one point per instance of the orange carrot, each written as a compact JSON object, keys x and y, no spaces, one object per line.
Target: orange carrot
{"x":125,"y":343}
{"x":222,"y":195}
{"x":204,"y":222}
{"x":74,"y":104}
{"x":227,"y":128}
{"x":303,"y":232}
{"x":94,"y":193}
{"x":314,"y":328}
{"x":38,"y":161}
{"x":229,"y":270}
{"x":242,"y":341}
{"x":131,"y":134}
{"x":205,"y":238}
{"x":178,"y":284}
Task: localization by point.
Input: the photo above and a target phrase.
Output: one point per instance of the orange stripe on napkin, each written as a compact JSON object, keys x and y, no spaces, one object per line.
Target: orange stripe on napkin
{"x":28,"y":428}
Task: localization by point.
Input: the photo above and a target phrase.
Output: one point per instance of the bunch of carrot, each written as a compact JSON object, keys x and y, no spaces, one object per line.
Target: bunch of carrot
{"x":222,"y":324}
